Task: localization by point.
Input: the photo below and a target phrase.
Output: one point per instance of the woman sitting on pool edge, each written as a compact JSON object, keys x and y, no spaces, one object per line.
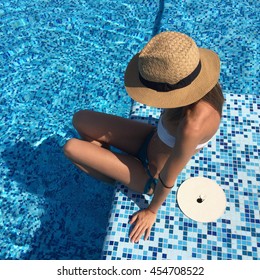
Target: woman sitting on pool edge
{"x":172,"y":73}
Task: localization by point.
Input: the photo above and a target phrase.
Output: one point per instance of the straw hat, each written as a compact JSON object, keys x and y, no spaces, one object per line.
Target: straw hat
{"x":171,"y":71}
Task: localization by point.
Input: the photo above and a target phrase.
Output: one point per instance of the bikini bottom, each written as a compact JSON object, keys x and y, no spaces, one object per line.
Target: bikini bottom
{"x":143,"y":157}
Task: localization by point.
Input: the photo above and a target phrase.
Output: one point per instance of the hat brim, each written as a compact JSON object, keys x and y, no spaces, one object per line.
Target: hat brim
{"x":204,"y":82}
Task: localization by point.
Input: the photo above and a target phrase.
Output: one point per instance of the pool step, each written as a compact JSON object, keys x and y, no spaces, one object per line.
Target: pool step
{"x":232,"y":160}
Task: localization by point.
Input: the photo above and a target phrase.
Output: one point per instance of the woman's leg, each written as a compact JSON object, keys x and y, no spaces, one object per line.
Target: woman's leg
{"x":104,"y":130}
{"x":97,"y":161}
{"x":98,"y":130}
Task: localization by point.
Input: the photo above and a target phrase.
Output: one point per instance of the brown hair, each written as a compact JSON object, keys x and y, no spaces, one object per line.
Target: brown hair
{"x":214,"y":97}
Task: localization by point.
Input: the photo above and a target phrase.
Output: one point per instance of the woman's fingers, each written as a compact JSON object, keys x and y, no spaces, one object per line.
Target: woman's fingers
{"x":147,"y":233}
{"x":133,"y":219}
{"x":143,"y":221}
{"x":137,"y":234}
{"x":135,"y":231}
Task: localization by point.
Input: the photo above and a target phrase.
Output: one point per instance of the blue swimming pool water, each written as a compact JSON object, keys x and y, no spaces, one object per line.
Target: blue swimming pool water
{"x":59,"y":56}
{"x":230,"y":28}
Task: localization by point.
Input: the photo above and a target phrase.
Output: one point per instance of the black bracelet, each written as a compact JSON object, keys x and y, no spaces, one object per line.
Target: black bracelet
{"x":163,"y":183}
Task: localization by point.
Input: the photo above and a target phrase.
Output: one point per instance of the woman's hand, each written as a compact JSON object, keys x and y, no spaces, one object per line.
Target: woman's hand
{"x":143,"y":220}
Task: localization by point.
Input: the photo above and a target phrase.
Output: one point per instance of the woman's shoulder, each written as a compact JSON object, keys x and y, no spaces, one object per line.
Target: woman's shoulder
{"x":203,"y":110}
{"x":202,"y":118}
{"x":198,"y":117}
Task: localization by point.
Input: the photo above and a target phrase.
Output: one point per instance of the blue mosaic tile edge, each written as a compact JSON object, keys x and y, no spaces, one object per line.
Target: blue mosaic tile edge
{"x":232,"y":160}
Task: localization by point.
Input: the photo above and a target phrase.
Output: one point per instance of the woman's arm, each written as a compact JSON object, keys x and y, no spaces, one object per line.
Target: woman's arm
{"x":189,"y":136}
{"x":185,"y":147}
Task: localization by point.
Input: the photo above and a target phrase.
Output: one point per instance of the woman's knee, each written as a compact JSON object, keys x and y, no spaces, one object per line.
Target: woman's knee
{"x":89,"y":126}
{"x":69,"y":147}
{"x":78,"y":117}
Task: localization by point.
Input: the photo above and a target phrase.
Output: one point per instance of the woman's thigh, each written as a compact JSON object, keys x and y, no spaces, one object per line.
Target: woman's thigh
{"x":121,"y":167}
{"x":124,"y":134}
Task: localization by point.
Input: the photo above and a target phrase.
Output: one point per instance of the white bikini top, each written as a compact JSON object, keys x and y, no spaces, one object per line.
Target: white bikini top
{"x":168,"y":139}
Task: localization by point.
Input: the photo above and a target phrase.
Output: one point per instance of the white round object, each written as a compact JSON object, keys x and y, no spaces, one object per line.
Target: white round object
{"x":201,"y":199}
